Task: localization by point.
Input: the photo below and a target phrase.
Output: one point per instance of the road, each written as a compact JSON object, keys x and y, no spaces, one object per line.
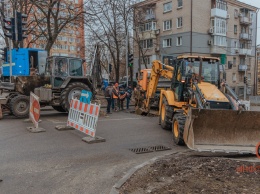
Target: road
{"x":60,"y":162}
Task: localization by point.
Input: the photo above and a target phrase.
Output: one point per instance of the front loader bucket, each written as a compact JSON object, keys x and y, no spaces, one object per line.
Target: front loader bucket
{"x":222,"y":130}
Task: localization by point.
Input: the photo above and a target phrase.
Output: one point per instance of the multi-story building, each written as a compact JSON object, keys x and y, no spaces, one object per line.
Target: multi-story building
{"x":258,"y":69}
{"x":226,"y":29}
{"x":70,"y":41}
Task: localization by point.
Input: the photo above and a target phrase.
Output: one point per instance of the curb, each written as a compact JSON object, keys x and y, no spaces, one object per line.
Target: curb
{"x":130,"y":172}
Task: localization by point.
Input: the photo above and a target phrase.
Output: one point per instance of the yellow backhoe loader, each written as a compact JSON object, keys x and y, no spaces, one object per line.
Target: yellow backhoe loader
{"x":202,"y":111}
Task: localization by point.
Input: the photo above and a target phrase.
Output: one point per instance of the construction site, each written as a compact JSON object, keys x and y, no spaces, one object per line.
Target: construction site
{"x":147,"y":116}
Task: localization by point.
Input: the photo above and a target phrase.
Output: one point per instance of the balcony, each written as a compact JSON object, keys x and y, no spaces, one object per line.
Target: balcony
{"x":245,"y":20}
{"x":219,"y":13}
{"x":244,"y":51}
{"x":242,"y":67}
{"x":245,"y":36}
{"x":150,"y":17}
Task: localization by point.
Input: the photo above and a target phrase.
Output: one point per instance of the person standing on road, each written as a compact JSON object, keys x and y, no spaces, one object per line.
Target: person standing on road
{"x":108,"y":96}
{"x":128,"y":96}
{"x":115,"y":95}
{"x":122,"y":96}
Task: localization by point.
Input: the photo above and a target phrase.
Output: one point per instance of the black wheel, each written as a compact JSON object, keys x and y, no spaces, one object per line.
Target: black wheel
{"x":20,"y":106}
{"x":72,"y":91}
{"x":166,"y":115}
{"x":58,"y":108}
{"x":178,"y":123}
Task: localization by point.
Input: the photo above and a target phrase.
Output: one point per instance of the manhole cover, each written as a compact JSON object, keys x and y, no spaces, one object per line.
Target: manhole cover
{"x":158,"y":148}
{"x":141,"y":150}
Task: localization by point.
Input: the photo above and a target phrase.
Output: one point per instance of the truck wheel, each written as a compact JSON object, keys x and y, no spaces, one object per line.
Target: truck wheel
{"x":20,"y":106}
{"x":178,"y":124}
{"x":58,"y":108}
{"x":165,"y":118}
{"x":72,"y":91}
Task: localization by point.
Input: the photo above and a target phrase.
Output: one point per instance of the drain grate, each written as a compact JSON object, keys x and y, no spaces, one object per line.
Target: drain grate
{"x":141,"y":150}
{"x":149,"y":149}
{"x":158,"y":148}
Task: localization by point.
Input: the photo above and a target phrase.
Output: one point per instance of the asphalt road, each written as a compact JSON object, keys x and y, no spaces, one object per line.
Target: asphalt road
{"x":60,"y":162}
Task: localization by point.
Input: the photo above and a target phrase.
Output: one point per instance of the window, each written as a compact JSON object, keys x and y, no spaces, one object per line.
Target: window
{"x":147,"y":43}
{"x":220,"y":41}
{"x":249,"y":76}
{"x":220,"y":4}
{"x":179,"y":22}
{"x":242,"y":61}
{"x":234,"y":77}
{"x":180,"y":3}
{"x":234,"y":61}
{"x":236,"y":13}
{"x":149,"y":11}
{"x":75,"y":67}
{"x":219,"y":26}
{"x":235,"y":44}
{"x":141,"y":28}
{"x":167,"y":25}
{"x":167,"y":42}
{"x":167,"y":7}
{"x":235,"y":29}
{"x":147,"y":26}
{"x":150,"y":26}
{"x":179,"y":41}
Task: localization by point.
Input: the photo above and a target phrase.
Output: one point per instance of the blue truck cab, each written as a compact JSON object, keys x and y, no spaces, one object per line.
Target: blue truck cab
{"x":25,"y":62}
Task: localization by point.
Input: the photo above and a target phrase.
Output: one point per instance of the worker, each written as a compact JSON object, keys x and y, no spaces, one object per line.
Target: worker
{"x":64,"y":70}
{"x":108,"y":96}
{"x":191,"y":69}
{"x":139,"y":96}
{"x":128,"y":96}
{"x":122,"y":96}
{"x":115,"y":95}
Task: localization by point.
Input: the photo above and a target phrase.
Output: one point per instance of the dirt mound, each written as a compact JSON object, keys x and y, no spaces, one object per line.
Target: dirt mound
{"x":193,"y":174}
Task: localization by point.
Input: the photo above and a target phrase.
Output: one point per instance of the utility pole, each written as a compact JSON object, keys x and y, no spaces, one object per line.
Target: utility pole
{"x":126,"y":58}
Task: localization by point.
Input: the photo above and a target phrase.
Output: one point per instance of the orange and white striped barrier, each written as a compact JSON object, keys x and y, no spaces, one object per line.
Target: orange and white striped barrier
{"x":83,"y":117}
{"x":34,"y":109}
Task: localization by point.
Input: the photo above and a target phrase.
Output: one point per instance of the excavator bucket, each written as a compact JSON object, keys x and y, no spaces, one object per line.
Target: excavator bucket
{"x":226,"y":131}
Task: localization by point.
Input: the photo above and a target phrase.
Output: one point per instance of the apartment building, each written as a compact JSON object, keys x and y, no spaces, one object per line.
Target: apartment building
{"x":226,"y":29}
{"x":258,"y":69}
{"x":70,"y":41}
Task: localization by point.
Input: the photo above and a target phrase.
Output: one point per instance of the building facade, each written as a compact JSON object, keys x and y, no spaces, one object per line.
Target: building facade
{"x":226,"y":29}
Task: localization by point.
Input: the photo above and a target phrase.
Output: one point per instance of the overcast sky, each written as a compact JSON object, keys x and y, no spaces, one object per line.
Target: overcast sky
{"x":255,"y":3}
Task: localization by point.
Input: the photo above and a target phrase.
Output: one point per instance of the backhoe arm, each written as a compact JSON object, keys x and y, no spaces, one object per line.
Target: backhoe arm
{"x":158,"y":70}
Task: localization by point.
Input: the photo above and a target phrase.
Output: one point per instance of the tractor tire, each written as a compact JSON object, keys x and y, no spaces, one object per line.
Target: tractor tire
{"x":58,"y":108}
{"x":178,"y":123}
{"x":20,"y":106}
{"x":73,"y":90}
{"x":166,"y":115}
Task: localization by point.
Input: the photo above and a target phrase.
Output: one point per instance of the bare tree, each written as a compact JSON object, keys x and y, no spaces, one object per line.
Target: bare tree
{"x":107,"y":24}
{"x":47,"y":19}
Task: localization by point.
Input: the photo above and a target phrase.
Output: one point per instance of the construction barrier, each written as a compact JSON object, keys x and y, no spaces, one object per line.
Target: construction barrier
{"x":83,"y":117}
{"x":34,"y":109}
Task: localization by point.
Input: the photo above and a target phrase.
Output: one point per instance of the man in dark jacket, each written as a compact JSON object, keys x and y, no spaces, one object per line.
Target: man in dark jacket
{"x":128,"y":95}
{"x":108,"y":96}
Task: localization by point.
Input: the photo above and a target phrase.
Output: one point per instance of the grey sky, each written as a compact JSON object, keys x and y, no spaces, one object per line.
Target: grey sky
{"x":255,"y":3}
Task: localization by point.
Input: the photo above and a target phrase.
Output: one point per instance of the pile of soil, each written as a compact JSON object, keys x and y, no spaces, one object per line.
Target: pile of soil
{"x":194,"y":174}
